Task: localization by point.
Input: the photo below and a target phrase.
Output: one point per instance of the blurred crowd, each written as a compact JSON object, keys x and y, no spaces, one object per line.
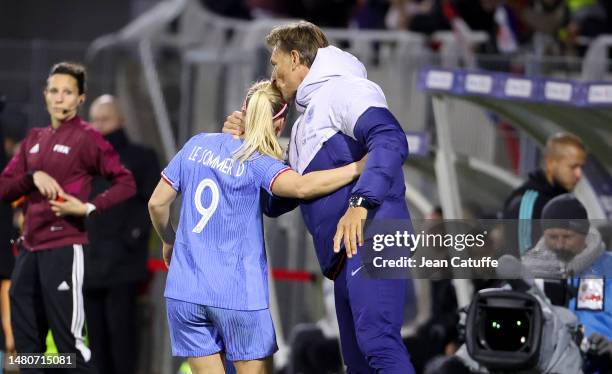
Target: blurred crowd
{"x":565,"y":27}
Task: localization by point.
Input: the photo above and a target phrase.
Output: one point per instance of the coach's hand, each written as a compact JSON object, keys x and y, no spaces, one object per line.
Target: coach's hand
{"x":350,"y":228}
{"x":167,"y":253}
{"x":68,"y":205}
{"x":234,"y":124}
{"x":47,"y":185}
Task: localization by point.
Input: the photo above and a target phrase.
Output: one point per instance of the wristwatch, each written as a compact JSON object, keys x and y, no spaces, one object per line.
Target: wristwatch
{"x":356,"y":201}
{"x":90,"y":209}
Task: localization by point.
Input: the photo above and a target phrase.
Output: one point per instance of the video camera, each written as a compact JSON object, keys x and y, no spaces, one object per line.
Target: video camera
{"x":515,"y":329}
{"x":503,"y":329}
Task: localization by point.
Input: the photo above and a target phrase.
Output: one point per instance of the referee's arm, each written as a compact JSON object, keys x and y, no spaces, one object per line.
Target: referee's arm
{"x":15,"y":181}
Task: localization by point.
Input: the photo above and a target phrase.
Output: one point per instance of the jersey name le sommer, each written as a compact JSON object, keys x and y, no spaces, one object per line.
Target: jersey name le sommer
{"x":219,"y":257}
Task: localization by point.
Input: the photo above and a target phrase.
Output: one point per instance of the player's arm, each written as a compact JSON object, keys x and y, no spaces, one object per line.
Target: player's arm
{"x":159,"y":209}
{"x":16,"y":180}
{"x":275,"y":206}
{"x":317,"y":183}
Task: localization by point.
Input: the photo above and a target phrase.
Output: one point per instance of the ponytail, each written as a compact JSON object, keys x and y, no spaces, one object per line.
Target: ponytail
{"x":259,"y":133}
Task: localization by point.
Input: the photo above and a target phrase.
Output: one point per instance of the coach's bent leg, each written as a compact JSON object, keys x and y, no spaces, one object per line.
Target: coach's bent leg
{"x":377,"y":307}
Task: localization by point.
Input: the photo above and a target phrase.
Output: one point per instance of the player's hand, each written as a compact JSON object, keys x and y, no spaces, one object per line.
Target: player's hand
{"x":234,"y":124}
{"x":167,"y":253}
{"x":47,"y":185}
{"x":600,"y":345}
{"x":350,"y":229}
{"x":68,"y":205}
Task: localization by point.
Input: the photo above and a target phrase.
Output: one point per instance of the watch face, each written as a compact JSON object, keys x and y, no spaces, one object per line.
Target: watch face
{"x":356,"y":201}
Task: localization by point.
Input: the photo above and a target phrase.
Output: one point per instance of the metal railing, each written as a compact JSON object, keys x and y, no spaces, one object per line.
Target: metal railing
{"x":214,"y":59}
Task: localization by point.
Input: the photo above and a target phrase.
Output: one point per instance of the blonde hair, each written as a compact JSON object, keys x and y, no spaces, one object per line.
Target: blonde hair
{"x":262,"y":102}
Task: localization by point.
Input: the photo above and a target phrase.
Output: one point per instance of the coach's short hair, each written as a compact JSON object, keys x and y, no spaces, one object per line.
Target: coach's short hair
{"x":303,"y":37}
{"x":75,"y":70}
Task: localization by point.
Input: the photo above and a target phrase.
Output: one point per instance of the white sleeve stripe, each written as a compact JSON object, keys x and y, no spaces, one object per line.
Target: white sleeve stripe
{"x":281,"y":171}
{"x":168,"y":180}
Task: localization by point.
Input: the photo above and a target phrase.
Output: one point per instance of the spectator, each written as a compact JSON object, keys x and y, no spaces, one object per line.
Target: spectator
{"x":424,"y":16}
{"x":564,"y":158}
{"x":545,"y":16}
{"x":229,"y":8}
{"x":325,"y":13}
{"x":370,"y":14}
{"x":587,"y":19}
{"x":570,"y":248}
{"x":53,"y":169}
{"x":116,"y":259}
{"x":267,"y":8}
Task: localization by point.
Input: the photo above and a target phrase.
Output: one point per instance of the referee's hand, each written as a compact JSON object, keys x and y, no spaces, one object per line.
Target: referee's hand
{"x":46,"y":185}
{"x":234,"y":124}
{"x":68,"y":205}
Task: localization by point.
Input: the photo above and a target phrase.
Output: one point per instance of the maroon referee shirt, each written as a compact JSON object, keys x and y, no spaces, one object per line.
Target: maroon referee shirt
{"x":73,"y":154}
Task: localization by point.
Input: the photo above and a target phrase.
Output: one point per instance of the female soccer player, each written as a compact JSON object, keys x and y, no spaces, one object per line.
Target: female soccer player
{"x":217,"y":286}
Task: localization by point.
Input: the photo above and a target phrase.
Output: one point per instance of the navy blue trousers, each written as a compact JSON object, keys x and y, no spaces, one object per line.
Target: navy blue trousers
{"x":370,"y":313}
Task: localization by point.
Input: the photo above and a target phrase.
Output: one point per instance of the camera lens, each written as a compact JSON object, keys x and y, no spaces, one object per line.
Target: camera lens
{"x":506,"y":329}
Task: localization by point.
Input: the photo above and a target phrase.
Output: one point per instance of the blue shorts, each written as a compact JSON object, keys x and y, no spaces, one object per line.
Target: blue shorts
{"x":200,"y":330}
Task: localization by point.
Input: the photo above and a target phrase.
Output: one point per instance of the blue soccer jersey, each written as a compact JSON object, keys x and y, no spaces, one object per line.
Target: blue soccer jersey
{"x":219,"y":257}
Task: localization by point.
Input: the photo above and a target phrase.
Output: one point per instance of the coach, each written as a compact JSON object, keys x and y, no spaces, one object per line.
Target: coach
{"x":343,"y":116}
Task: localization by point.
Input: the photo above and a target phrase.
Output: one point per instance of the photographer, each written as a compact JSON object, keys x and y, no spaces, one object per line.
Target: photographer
{"x":570,"y":248}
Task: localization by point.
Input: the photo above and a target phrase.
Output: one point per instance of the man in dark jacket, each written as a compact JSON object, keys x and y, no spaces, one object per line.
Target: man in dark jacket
{"x":564,"y":158}
{"x":119,"y":248}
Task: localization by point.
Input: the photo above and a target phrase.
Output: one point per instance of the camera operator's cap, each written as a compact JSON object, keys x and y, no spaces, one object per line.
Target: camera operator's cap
{"x":565,"y":212}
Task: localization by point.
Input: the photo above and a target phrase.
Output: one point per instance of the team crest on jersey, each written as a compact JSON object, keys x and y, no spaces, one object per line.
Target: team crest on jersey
{"x":61,"y":149}
{"x":591,"y":294}
{"x":308,"y":115}
{"x":35,"y":148}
